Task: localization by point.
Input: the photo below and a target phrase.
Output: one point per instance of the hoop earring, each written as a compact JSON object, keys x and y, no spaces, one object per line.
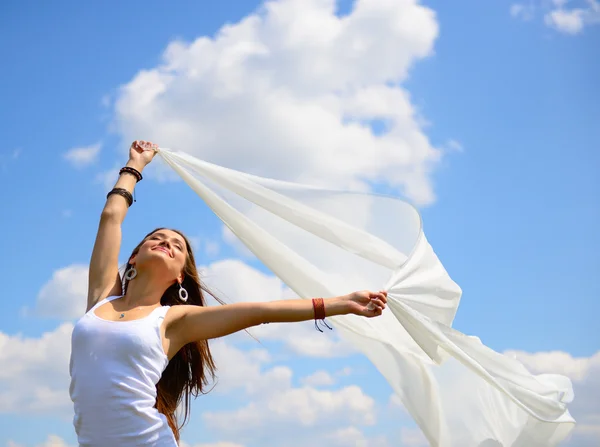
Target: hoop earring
{"x":183,"y":295}
{"x":131,"y":273}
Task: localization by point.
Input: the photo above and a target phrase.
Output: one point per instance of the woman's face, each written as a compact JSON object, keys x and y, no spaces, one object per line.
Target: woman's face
{"x":164,"y":252}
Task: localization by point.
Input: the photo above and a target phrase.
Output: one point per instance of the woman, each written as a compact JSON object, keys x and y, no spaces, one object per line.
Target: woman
{"x":136,"y":356}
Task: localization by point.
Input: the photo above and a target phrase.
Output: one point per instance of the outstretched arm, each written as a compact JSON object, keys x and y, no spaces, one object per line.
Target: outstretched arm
{"x":193,"y":323}
{"x":104,"y":277}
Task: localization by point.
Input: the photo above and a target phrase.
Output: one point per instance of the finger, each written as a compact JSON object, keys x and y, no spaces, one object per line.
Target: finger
{"x":378,"y":303}
{"x":375,"y":312}
{"x":380,"y":296}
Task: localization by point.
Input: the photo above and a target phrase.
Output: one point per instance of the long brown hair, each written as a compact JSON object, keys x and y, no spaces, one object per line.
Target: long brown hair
{"x":192,"y":368}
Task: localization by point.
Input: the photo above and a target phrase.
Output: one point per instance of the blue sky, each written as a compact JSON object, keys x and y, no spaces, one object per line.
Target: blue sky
{"x":508,"y":96}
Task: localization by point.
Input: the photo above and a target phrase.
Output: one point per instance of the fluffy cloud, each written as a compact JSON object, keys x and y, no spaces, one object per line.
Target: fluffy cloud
{"x":212,"y":444}
{"x":80,"y":157}
{"x":319,"y":378}
{"x":207,"y":247}
{"x":413,"y":437}
{"x":51,"y":441}
{"x":524,"y":12}
{"x":352,"y":436}
{"x":34,"y":377}
{"x":294,"y":407}
{"x":296,"y":92}
{"x":275,"y":402}
{"x":109,"y":177}
{"x":64,"y":295}
{"x":558,"y":14}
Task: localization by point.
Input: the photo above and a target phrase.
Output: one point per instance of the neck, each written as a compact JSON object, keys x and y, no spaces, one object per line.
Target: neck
{"x":145,"y":290}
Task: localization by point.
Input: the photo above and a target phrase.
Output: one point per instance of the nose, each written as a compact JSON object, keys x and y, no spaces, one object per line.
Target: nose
{"x":166,"y":244}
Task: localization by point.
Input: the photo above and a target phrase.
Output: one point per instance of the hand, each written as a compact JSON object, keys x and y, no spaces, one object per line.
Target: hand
{"x":366,"y":303}
{"x":142,"y":152}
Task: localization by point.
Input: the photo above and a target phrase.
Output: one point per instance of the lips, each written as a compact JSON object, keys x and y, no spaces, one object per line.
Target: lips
{"x":163,"y":249}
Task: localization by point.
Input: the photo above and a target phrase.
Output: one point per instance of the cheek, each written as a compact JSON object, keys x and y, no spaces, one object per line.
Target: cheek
{"x":180,"y":258}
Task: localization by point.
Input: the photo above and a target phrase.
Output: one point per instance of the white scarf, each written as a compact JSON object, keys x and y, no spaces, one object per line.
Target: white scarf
{"x":326,"y":243}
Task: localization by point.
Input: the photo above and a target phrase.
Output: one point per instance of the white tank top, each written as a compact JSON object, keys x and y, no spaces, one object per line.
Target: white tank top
{"x":115,"y":366}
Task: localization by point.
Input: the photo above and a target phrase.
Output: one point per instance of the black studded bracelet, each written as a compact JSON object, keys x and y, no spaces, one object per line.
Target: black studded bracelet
{"x":129,"y":170}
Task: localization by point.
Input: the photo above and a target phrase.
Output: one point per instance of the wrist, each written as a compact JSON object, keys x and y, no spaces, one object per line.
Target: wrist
{"x":135,"y":165}
{"x":336,"y":306}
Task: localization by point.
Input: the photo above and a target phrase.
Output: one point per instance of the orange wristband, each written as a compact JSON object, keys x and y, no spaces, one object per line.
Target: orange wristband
{"x":319,"y":308}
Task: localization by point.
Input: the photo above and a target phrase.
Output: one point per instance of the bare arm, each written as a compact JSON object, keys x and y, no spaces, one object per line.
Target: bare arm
{"x":193,"y":323}
{"x":104,"y":279}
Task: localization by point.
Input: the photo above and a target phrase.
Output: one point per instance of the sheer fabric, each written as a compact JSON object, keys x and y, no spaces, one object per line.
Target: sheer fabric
{"x":327,"y":243}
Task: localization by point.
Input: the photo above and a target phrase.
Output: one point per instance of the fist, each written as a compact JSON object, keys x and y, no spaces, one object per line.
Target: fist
{"x":367,"y":303}
{"x":142,"y":152}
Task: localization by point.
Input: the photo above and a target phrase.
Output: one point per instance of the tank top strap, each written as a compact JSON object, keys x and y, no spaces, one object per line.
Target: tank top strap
{"x":101,"y":302}
{"x":160,"y":313}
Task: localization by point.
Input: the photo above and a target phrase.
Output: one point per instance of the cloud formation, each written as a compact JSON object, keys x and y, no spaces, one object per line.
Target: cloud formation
{"x":565,"y":16}
{"x":296,"y":92}
{"x":80,"y":157}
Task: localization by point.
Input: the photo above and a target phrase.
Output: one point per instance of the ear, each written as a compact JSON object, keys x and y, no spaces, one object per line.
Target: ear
{"x":132,"y":260}
{"x":180,"y":278}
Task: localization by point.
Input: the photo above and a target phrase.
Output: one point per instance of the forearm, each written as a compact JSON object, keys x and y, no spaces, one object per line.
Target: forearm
{"x":116,"y":205}
{"x":202,"y":323}
{"x":288,"y":311}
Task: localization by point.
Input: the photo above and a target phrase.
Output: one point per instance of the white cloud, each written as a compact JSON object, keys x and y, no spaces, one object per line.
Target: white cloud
{"x":51,"y":441}
{"x":34,"y":377}
{"x":83,"y":156}
{"x":413,"y":437}
{"x":352,"y":436}
{"x":212,"y":444}
{"x":319,"y":378}
{"x":557,"y":362}
{"x":305,"y":407}
{"x":64,"y":296}
{"x":207,"y":246}
{"x":291,"y":92}
{"x":522,"y":11}
{"x":109,"y":177}
{"x":211,"y":248}
{"x":558,"y":14}
{"x":567,"y":21}
{"x":243,"y":369}
{"x":453,"y":145}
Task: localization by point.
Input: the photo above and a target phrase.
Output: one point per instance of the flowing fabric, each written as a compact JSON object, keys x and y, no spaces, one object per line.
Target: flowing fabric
{"x":328,"y":243}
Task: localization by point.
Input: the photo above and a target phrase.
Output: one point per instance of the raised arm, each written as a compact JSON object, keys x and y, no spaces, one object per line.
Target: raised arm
{"x":104,"y":279}
{"x":187,"y":324}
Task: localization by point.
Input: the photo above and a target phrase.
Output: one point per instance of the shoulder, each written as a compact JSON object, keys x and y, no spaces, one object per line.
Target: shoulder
{"x":177,"y":323}
{"x":176,"y":314}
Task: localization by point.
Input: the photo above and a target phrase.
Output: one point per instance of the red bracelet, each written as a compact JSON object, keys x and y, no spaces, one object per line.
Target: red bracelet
{"x":319,"y":310}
